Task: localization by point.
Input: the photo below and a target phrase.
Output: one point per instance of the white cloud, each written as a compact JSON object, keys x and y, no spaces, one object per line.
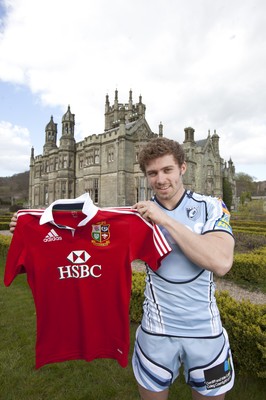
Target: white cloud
{"x":15,"y":149}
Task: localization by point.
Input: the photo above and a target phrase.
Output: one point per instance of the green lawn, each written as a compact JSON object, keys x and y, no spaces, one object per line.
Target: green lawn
{"x":73,"y":380}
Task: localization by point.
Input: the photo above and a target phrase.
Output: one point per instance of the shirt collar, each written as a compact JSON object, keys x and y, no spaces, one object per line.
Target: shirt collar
{"x":89,"y":209}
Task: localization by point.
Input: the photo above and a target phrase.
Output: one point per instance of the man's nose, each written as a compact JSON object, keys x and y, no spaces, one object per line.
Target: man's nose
{"x":160,"y":177}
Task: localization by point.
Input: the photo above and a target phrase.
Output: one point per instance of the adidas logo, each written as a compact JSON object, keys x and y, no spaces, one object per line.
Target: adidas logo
{"x":52,"y":236}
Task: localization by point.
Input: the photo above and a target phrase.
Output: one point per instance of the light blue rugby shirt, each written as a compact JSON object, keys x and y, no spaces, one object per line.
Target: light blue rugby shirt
{"x":179,"y":296}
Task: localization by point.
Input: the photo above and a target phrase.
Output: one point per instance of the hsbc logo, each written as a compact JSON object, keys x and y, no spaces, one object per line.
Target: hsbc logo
{"x":78,"y":256}
{"x":78,"y":269}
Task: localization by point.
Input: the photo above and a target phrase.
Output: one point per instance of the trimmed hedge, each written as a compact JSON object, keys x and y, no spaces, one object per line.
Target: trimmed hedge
{"x":5,"y":220}
{"x":4,"y":244}
{"x":249,"y":267}
{"x":137,"y":296}
{"x":249,"y":226}
{"x":246,"y":326}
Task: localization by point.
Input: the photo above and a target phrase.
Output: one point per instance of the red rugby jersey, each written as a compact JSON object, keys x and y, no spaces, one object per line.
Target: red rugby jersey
{"x":78,"y":263}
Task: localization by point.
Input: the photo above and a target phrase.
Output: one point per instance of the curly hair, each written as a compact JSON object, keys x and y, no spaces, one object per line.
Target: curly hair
{"x":159,"y":147}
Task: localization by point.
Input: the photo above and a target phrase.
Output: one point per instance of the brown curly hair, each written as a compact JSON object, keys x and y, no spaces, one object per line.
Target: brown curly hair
{"x":159,"y":147}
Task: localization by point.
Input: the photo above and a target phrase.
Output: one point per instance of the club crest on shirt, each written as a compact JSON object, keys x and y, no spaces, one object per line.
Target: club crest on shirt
{"x":193,"y":212}
{"x":100,"y":234}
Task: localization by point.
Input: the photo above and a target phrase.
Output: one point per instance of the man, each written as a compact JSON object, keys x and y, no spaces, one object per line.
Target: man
{"x":181,"y":323}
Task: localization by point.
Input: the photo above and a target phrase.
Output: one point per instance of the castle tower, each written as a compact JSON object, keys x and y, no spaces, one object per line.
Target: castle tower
{"x":189,"y":134}
{"x":50,"y":136}
{"x":67,"y":141}
{"x":215,"y":142}
{"x":65,"y":185}
{"x":132,"y":112}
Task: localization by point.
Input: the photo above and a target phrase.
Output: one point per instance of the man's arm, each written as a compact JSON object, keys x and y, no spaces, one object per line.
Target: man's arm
{"x":213,"y":251}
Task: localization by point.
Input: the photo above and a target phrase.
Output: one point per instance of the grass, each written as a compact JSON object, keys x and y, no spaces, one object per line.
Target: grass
{"x":73,"y":380}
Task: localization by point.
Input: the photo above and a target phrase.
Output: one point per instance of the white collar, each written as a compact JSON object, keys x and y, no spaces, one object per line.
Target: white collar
{"x":88,"y":209}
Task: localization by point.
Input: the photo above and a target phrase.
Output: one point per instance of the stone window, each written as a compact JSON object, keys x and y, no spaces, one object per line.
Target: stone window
{"x":64,"y":161}
{"x":110,"y":154}
{"x":142,"y":193}
{"x":96,"y":156}
{"x":63,"y":189}
{"x":37,"y":172}
{"x":96,"y":190}
{"x":46,"y":200}
{"x":92,"y":187}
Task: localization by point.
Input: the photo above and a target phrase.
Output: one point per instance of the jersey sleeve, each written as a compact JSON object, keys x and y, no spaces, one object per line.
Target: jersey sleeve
{"x":16,"y":255}
{"x":218,"y":217}
{"x":147,"y":242}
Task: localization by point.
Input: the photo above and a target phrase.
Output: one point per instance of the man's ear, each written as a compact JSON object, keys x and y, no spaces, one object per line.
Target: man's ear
{"x":183,"y":168}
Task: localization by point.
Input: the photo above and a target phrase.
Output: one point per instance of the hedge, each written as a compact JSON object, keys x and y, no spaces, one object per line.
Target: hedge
{"x":246,"y":326}
{"x":4,"y":244}
{"x":5,"y":220}
{"x":249,"y":267}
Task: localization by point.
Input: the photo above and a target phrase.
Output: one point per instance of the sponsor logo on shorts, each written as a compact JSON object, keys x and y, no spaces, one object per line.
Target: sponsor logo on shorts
{"x":219,"y":375}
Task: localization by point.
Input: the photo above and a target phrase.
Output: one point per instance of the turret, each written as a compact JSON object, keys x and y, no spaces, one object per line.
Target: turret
{"x":50,"y":136}
{"x":160,"y":129}
{"x":189,"y":134}
{"x":68,"y":123}
{"x":215,"y":142}
{"x":132,"y":112}
{"x":67,"y":140}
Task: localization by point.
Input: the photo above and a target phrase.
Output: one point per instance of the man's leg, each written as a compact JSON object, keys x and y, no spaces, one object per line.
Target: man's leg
{"x":198,"y":396}
{"x":148,"y":395}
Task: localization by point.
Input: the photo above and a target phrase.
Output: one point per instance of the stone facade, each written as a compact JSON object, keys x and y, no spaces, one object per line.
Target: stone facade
{"x":205,"y":168}
{"x":106,"y":166}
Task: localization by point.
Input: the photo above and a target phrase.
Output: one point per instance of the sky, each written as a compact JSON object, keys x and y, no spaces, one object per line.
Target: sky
{"x":198,"y":63}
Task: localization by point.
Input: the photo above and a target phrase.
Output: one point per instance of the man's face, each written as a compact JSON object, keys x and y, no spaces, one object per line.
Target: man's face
{"x":165,"y":178}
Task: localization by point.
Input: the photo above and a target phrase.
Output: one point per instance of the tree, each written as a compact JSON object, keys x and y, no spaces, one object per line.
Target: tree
{"x":245,"y":197}
{"x":244,"y":183}
{"x":227,"y":193}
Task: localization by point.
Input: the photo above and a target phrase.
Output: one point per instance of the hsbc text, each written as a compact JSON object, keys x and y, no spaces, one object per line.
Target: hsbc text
{"x":80,"y":271}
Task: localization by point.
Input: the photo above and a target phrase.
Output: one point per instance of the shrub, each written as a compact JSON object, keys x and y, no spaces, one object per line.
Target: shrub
{"x":246,"y":242}
{"x":5,"y":220}
{"x":137,"y":296}
{"x":245,"y":324}
{"x":249,"y":267}
{"x":4,"y":244}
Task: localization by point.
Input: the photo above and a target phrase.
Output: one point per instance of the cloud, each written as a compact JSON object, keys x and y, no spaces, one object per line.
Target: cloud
{"x":15,"y":148}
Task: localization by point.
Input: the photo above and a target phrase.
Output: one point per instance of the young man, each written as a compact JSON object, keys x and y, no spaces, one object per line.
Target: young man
{"x":181,"y":323}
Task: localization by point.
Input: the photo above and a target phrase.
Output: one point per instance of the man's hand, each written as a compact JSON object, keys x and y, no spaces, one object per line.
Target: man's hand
{"x":151,"y":212}
{"x":13,"y":223}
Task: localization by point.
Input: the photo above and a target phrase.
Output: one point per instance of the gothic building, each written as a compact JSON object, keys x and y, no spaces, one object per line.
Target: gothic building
{"x":106,"y":164}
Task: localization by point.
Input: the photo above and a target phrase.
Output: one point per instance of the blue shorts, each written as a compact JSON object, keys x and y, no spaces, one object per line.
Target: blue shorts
{"x":208,"y":364}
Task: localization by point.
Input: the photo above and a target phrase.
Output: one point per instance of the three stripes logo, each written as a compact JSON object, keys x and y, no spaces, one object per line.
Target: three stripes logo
{"x":52,"y":236}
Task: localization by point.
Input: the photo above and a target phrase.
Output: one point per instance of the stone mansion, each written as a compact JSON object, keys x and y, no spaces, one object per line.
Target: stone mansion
{"x":106,"y":164}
